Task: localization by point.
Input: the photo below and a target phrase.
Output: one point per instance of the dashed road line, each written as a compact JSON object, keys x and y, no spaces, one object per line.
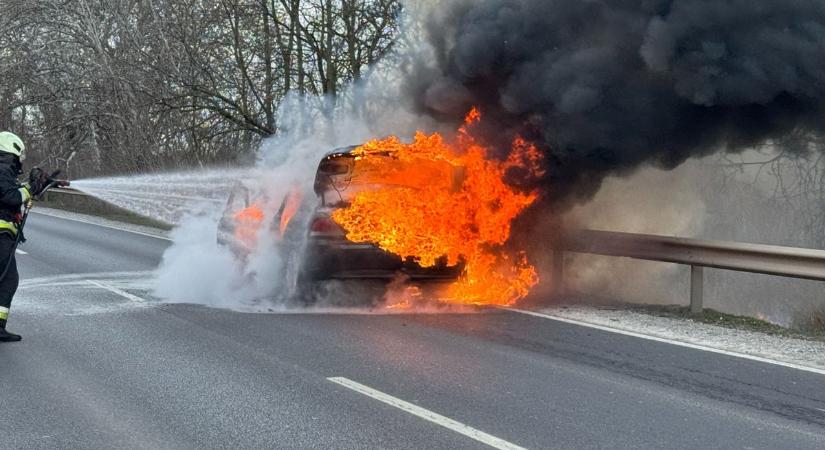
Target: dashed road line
{"x":21,"y":252}
{"x":426,"y":414}
{"x":117,"y":291}
{"x":670,"y":341}
{"x":56,"y":280}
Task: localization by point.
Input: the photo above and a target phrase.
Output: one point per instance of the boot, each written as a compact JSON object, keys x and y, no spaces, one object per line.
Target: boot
{"x":5,"y":336}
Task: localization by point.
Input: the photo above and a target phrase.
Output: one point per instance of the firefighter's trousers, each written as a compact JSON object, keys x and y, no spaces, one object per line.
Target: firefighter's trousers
{"x":8,"y":284}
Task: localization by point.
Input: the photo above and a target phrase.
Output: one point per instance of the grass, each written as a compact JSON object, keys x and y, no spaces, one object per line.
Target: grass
{"x":809,"y":326}
{"x":99,"y":208}
{"x":709,"y":316}
{"x":713,"y":317}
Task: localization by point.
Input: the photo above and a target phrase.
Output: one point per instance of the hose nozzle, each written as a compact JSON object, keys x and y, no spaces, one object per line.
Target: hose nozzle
{"x":54,"y":182}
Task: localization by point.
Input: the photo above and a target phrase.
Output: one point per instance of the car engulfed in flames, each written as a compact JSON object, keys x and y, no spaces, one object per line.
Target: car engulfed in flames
{"x":434,"y":209}
{"x":344,"y":174}
{"x":448,"y":203}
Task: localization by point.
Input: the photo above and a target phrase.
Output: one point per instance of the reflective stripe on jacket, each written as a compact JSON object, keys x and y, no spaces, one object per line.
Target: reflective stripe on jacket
{"x":8,"y":226}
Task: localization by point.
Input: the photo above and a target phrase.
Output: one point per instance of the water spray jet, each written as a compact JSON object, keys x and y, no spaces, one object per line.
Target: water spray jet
{"x":167,"y":197}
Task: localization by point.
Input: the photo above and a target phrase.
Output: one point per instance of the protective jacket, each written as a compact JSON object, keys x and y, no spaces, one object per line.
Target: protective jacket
{"x":12,"y":195}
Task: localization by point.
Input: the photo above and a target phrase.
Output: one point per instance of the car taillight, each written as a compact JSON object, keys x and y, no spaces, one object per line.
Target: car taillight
{"x":324,"y":225}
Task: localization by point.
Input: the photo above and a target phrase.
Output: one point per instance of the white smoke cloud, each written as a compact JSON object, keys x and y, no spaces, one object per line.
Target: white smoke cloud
{"x":651,"y":201}
{"x":197,"y":270}
{"x":700,"y":199}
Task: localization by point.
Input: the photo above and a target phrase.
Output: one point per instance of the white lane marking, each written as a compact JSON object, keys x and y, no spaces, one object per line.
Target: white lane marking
{"x":89,"y":222}
{"x":84,"y":276}
{"x":670,"y":341}
{"x":426,"y":414}
{"x":117,"y":291}
{"x":54,"y":285}
{"x":21,"y":252}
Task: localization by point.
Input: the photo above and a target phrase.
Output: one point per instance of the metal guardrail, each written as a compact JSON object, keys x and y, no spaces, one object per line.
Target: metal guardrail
{"x":697,"y":253}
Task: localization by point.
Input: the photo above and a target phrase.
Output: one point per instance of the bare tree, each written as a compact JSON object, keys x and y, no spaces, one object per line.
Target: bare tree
{"x":137,"y":85}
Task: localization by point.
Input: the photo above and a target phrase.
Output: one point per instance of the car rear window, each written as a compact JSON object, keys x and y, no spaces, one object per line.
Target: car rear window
{"x":334,"y":167}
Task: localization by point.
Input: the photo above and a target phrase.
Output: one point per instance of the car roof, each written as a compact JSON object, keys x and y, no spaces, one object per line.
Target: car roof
{"x":341,"y":151}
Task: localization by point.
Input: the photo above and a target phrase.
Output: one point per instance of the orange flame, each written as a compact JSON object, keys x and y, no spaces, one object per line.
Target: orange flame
{"x":449,"y":201}
{"x":247,"y":223}
{"x":293,"y":202}
{"x":403,"y":304}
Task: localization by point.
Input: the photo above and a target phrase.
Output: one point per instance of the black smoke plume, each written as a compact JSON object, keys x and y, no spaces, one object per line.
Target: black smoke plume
{"x":607,"y":86}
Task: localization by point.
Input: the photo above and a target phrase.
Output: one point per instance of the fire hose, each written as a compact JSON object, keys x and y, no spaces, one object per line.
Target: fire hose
{"x":51,"y":182}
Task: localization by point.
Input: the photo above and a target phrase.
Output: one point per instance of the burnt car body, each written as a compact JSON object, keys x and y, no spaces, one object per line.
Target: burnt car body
{"x":329,"y":254}
{"x":240,"y":198}
{"x":249,"y":209}
{"x":255,"y":217}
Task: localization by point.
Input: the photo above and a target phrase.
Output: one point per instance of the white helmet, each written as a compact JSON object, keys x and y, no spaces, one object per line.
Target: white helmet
{"x":11,"y":143}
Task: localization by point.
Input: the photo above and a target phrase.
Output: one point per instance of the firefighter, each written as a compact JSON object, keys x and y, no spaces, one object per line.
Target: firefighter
{"x":13,"y":198}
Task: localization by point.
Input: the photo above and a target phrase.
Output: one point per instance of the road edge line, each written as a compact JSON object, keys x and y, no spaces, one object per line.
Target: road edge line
{"x":438,"y":419}
{"x":89,"y":222}
{"x":679,"y":343}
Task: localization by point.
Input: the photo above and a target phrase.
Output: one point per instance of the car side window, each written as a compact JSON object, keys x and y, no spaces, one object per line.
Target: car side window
{"x":290,"y":207}
{"x":238,"y":199}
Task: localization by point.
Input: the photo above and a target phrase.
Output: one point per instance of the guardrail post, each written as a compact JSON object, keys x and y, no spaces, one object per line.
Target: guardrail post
{"x":697,"y":284}
{"x":558,"y":272}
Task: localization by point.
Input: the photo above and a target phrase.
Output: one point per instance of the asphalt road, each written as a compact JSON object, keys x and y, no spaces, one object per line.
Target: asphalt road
{"x":103,"y":366}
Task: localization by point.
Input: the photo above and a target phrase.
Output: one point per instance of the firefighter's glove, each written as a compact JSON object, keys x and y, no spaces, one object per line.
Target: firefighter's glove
{"x":38,"y":181}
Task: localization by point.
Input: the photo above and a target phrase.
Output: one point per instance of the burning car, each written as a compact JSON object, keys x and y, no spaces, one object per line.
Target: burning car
{"x":444,"y":202}
{"x":329,"y":254}
{"x":306,"y":237}
{"x":432,"y":209}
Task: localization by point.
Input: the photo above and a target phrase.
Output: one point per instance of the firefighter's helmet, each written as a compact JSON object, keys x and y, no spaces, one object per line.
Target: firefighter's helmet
{"x":11,"y":143}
